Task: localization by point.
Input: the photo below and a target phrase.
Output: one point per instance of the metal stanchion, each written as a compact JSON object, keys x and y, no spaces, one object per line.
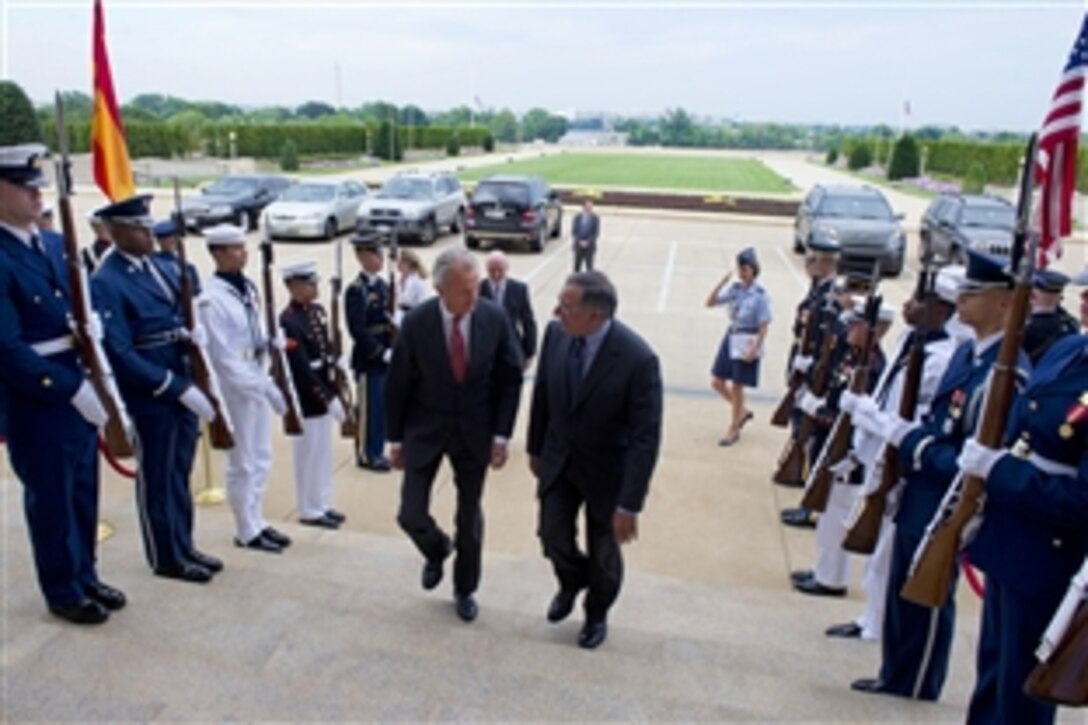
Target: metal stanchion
{"x":209,"y":493}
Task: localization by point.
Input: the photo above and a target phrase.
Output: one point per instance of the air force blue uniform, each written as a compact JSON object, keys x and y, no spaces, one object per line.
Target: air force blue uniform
{"x":52,"y":448}
{"x":144,"y":338}
{"x":1034,"y":536}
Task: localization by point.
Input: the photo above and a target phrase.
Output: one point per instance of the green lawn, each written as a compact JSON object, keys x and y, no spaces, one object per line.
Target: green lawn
{"x":647,"y":171}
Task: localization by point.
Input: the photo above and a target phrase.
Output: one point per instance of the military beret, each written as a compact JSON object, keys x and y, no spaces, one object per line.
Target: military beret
{"x":21,"y":164}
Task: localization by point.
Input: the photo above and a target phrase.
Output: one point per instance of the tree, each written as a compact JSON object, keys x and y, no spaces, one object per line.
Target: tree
{"x":453,"y":145}
{"x":314,"y":109}
{"x":21,"y":124}
{"x":861,"y":157}
{"x":387,"y":143}
{"x":412,"y":116}
{"x":459,"y":116}
{"x":832,"y":156}
{"x":504,"y":126}
{"x":131,"y":113}
{"x":289,"y":156}
{"x":975,"y":180}
{"x":377,"y":111}
{"x":160,"y":105}
{"x":905,"y":159}
{"x":538,"y":123}
{"x":677,"y":128}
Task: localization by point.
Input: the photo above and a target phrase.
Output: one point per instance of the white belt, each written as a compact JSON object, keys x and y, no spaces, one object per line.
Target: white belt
{"x":1052,"y":467}
{"x":64,"y":343}
{"x":317,"y":364}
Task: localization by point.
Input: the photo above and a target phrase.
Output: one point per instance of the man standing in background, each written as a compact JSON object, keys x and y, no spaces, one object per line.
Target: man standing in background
{"x":584,"y":231}
{"x":513,"y":296}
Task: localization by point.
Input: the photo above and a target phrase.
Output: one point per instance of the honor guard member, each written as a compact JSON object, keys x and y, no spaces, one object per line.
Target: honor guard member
{"x":1034,"y":533}
{"x":366,"y":309}
{"x":309,"y":355}
{"x":137,"y":297}
{"x":1048,"y":322}
{"x":53,"y":445}
{"x":238,"y":348}
{"x":100,"y":247}
{"x":822,"y":264}
{"x":167,"y":237}
{"x":917,"y":640}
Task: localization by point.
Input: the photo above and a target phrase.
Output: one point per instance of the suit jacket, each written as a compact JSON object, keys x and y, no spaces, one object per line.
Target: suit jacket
{"x":607,"y":440}
{"x":424,"y":406}
{"x":587,"y":227}
{"x":519,"y":308}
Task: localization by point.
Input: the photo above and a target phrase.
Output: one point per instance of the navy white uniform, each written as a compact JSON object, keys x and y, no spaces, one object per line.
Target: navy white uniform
{"x":1034,"y":534}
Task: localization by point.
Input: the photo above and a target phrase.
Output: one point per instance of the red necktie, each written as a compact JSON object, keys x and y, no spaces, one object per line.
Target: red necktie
{"x":458,"y":360}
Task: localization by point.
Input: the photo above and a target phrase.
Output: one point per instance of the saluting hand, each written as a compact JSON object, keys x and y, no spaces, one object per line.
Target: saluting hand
{"x":624,"y":527}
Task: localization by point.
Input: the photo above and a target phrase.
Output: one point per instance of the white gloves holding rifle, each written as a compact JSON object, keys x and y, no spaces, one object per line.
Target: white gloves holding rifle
{"x":336,"y":410}
{"x":867,"y":415}
{"x":197,"y":402}
{"x":801,"y":364}
{"x":978,"y":460}
{"x":811,"y":404}
{"x":275,"y":398}
{"x":89,"y":406}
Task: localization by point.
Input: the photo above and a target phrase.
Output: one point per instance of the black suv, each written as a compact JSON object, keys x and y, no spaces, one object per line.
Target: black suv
{"x":860,"y":219}
{"x":516,"y":208}
{"x":234,"y":199}
{"x":954,"y":223}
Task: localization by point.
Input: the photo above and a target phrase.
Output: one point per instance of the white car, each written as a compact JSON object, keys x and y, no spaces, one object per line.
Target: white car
{"x":320,"y":208}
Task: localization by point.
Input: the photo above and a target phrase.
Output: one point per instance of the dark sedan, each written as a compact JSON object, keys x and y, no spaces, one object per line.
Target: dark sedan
{"x":513,"y":208}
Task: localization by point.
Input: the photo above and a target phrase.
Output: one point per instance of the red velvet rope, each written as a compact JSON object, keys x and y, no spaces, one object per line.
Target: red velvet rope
{"x":116,"y":465}
{"x":973,"y":579}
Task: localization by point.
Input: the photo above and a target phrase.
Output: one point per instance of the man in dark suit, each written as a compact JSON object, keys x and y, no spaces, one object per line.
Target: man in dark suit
{"x":584,"y":231}
{"x":594,"y":434}
{"x":453,"y":390}
{"x":513,"y":296}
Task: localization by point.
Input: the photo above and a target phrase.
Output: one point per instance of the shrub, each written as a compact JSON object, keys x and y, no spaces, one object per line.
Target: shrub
{"x":289,"y":156}
{"x":832,"y":156}
{"x":453,"y":145}
{"x":861,"y":157}
{"x":20,"y":124}
{"x":975,"y":180}
{"x":905,"y":161}
{"x":488,"y":143}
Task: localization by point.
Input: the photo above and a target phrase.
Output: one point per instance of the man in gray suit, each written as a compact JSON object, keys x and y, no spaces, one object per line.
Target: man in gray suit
{"x":584,"y":231}
{"x":452,"y":390}
{"x":594,"y":435}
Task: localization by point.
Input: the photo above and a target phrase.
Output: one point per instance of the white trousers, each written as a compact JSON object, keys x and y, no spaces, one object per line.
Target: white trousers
{"x":313,"y":466}
{"x":875,"y":581}
{"x":249,"y":462}
{"x":832,"y":561}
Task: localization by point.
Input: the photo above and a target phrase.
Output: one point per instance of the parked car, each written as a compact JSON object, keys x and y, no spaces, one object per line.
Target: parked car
{"x":417,"y":203}
{"x":954,"y":223}
{"x":515,"y":208}
{"x":322,"y":208}
{"x":860,"y":219}
{"x":235,"y":199}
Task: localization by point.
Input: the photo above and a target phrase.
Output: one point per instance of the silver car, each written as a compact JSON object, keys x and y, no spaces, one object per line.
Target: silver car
{"x":860,"y":219}
{"x":418,"y":204}
{"x":316,"y":209}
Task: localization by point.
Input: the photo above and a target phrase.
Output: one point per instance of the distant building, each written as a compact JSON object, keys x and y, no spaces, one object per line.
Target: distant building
{"x":591,"y":129}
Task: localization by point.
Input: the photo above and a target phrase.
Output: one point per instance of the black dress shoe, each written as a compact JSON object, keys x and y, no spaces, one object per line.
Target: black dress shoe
{"x":593,"y":634}
{"x":210,"y":563}
{"x":378,"y":465}
{"x":562,"y":605}
{"x":800,"y":575}
{"x":186,"y":572}
{"x":276,"y":537}
{"x":323,"y":521}
{"x":466,"y":607}
{"x":816,"y":589}
{"x":336,"y":516}
{"x":86,"y":612}
{"x":260,"y":543}
{"x":850,"y":630}
{"x":799,"y":517}
{"x":105,"y":595}
{"x":872,"y":685}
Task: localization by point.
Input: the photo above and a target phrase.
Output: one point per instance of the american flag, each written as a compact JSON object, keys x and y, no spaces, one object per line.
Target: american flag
{"x":1056,"y":161}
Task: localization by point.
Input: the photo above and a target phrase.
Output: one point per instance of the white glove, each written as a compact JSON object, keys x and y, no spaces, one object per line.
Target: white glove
{"x":848,"y":401}
{"x":387,"y":355}
{"x":336,"y":410}
{"x":344,"y":363}
{"x":197,"y":402}
{"x":801,"y":364}
{"x":978,"y":460}
{"x":811,"y":404}
{"x":864,"y":405}
{"x":279,"y":342}
{"x":843,"y":468}
{"x":874,"y":422}
{"x":94,"y":326}
{"x":275,"y":398}
{"x":89,"y":406}
{"x":898,"y":429}
{"x":198,"y":335}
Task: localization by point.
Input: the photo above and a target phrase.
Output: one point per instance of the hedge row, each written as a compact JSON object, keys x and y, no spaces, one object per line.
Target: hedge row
{"x":999,"y":161}
{"x":164,"y":140}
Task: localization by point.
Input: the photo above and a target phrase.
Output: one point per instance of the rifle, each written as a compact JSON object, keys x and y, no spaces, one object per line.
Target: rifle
{"x":292,"y":421}
{"x":1062,"y":673}
{"x":818,"y":489}
{"x":220,"y":430}
{"x":862,"y":534}
{"x":791,"y":464}
{"x":350,"y":427}
{"x":781,"y":416}
{"x":118,"y":431}
{"x":935,"y":560}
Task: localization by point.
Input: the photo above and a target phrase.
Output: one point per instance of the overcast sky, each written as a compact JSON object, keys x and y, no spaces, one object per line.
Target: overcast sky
{"x":973,"y":64}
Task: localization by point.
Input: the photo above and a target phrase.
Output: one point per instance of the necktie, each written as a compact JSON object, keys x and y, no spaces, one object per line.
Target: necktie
{"x":150,"y":269}
{"x":575,"y":364}
{"x":36,"y":244}
{"x":458,"y":358}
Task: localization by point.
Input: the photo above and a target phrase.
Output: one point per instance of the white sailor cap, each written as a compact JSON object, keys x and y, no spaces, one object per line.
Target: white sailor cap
{"x":949,"y":281}
{"x":1081,"y":280}
{"x":225,"y":235}
{"x":305,"y":270}
{"x":21,"y":164}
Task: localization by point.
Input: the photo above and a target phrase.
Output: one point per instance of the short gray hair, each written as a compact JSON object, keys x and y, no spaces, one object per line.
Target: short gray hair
{"x":597,"y":291}
{"x":447,"y":259}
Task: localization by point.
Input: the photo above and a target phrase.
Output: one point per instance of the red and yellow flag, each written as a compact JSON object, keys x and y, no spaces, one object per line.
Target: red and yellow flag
{"x":112,"y":169}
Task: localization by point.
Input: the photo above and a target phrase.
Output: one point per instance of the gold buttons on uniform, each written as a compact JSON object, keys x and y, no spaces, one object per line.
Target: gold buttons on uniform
{"x":1057,"y":543}
{"x":47,"y":382}
{"x":1033,"y":406}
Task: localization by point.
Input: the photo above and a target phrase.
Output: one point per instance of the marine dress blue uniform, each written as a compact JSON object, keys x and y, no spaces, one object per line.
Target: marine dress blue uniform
{"x":1034,"y":534}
